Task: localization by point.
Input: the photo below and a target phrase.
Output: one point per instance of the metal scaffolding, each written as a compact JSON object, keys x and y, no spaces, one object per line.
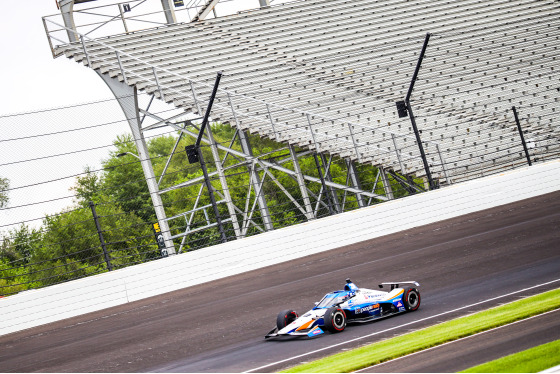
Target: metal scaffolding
{"x":241,"y":218}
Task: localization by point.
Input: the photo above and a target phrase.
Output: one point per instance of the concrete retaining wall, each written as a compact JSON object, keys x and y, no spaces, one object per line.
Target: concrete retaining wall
{"x":37,"y":307}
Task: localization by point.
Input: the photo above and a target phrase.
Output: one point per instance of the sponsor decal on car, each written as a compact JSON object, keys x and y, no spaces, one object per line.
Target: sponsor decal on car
{"x":399,"y":304}
{"x":373,"y":295}
{"x":367,"y":308}
{"x":316,"y":331}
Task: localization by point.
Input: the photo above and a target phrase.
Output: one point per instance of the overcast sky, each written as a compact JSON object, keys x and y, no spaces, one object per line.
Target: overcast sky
{"x":33,"y":81}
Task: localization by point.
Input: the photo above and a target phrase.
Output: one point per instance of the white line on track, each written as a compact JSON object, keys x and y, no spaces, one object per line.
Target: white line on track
{"x":458,"y":340}
{"x":397,"y":327}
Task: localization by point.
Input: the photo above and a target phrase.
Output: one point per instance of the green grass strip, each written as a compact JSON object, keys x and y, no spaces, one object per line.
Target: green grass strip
{"x":532,"y":360}
{"x":431,"y":336}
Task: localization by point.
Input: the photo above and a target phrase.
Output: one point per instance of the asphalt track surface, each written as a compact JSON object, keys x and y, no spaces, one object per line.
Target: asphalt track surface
{"x":464,"y":265}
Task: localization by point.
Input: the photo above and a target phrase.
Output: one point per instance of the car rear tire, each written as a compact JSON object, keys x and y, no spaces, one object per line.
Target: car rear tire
{"x":335,"y":320}
{"x":411,"y":299}
{"x":285,"y":317}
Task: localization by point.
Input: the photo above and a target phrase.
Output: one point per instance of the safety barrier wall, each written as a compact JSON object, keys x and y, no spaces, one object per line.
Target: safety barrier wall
{"x":33,"y":308}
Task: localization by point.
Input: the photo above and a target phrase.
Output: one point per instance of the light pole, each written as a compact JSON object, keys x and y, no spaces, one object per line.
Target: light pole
{"x":194,"y":155}
{"x":404,"y":109}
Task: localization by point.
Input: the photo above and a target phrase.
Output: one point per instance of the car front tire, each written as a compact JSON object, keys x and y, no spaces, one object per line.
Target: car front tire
{"x":335,"y":320}
{"x":285,"y":317}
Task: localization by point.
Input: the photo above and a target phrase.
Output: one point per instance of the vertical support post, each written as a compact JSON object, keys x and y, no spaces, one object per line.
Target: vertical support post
{"x":223,"y":182}
{"x":195,"y":99}
{"x":127,"y":98}
{"x":85,"y":51}
{"x":329,"y":203}
{"x":125,"y":80}
{"x":100,"y":234}
{"x":386,"y":184}
{"x":328,"y":177}
{"x":354,"y":143}
{"x":169,"y":12}
{"x":447,"y":179}
{"x":301,"y":183}
{"x":312,"y":133}
{"x":67,"y":11}
{"x":353,"y":173}
{"x":157,"y":84}
{"x":247,"y":149}
{"x":411,"y":114}
{"x":397,"y":152}
{"x":374,"y":188}
{"x":257,"y":185}
{"x":521,"y":135}
{"x":223,"y":237}
{"x":123,"y":19}
{"x":272,"y":122}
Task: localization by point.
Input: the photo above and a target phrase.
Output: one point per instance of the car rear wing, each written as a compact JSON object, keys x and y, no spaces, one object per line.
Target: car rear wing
{"x":396,"y":284}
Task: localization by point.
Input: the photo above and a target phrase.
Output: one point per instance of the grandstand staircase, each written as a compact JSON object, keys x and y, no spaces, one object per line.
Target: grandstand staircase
{"x":325,"y":75}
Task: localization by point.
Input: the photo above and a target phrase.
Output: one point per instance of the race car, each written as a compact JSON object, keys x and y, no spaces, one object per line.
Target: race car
{"x":351,"y":305}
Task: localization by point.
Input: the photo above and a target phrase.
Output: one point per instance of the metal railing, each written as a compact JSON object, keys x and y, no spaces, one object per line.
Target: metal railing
{"x":117,"y":18}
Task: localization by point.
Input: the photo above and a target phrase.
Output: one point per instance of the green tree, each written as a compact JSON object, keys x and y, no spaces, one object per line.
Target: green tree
{"x":67,"y":245}
{"x":4,"y":186}
{"x":123,"y":180}
{"x":20,"y":243}
{"x":87,"y":188}
{"x":15,"y":253}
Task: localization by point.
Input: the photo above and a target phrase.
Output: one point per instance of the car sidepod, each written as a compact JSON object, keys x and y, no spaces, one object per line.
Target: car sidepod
{"x":395,"y":300}
{"x":364,"y":311}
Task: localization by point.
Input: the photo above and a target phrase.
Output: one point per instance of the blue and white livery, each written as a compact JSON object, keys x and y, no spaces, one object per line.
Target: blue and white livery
{"x":350,"y":305}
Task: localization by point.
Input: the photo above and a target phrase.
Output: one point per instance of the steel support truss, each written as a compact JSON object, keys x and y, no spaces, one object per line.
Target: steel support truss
{"x":242,"y":216}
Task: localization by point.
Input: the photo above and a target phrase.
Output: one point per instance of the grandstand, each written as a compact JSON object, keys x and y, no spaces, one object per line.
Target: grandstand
{"x":478,"y":79}
{"x":325,"y":75}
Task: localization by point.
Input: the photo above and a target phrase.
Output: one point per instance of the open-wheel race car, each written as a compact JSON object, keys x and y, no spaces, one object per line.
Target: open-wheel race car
{"x":351,"y":305}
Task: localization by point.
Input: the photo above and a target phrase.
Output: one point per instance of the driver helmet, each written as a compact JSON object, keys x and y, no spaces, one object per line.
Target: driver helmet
{"x":350,"y":286}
